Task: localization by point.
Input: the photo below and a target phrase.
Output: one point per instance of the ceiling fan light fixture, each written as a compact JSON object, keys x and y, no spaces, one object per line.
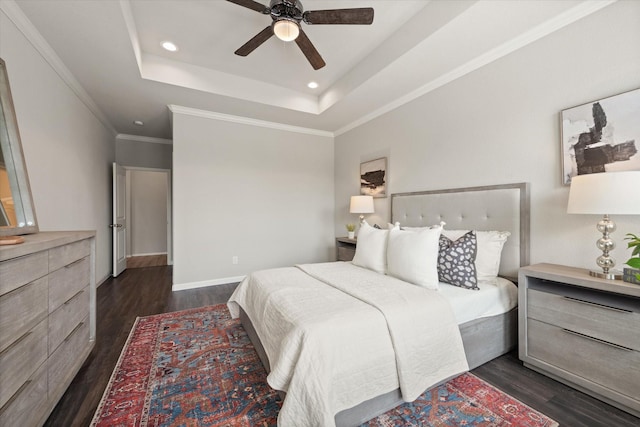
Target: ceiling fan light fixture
{"x":286,"y":30}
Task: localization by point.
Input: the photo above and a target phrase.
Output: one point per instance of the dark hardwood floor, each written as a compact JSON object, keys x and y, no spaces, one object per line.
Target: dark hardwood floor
{"x":146,"y":261}
{"x":147,"y":291}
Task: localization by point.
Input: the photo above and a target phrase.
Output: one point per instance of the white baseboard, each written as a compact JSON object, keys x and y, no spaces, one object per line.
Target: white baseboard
{"x":215,"y":282}
{"x":149,"y":254}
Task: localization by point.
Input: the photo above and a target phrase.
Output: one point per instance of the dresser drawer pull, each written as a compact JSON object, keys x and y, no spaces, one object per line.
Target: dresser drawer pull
{"x":78,"y":326}
{"x":595,"y":304}
{"x":620,"y":347}
{"x":15,"y":396}
{"x":15,"y":343}
{"x":74,"y":295}
{"x":74,"y":263}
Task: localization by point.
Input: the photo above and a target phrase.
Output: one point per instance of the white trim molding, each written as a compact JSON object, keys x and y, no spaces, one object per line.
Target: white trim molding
{"x":177,"y":109}
{"x":215,"y":282}
{"x":138,"y":138}
{"x":562,"y":20}
{"x":148,"y":254}
{"x":17,"y":16}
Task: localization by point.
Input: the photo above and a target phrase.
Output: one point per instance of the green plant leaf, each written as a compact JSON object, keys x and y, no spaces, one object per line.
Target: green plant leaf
{"x":638,"y":276}
{"x":634,"y":263}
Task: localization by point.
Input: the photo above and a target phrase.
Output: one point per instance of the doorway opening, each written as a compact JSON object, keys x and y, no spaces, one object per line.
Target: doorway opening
{"x":148,"y":206}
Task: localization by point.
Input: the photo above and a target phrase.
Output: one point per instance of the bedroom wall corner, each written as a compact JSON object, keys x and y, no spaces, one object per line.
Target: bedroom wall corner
{"x":67,"y":149}
{"x":501,"y":124}
{"x":261,"y":194}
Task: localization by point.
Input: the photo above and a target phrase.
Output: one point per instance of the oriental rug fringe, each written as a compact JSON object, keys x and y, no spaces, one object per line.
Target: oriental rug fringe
{"x":198,"y":368}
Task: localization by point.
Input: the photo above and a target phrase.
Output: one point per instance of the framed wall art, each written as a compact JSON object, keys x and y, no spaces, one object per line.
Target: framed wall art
{"x":601,"y":136}
{"x":373,"y":178}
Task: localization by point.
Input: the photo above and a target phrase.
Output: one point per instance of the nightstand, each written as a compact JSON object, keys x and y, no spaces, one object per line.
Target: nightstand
{"x":582,"y":331}
{"x":345,"y":248}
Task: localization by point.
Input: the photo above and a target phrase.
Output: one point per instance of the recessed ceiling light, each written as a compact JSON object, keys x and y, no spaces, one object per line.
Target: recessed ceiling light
{"x":169,"y":46}
{"x":312,"y":85}
{"x":138,"y":122}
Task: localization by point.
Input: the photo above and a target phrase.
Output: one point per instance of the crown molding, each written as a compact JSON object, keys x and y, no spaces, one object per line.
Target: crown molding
{"x":138,"y":138}
{"x":177,"y":109}
{"x":15,"y":14}
{"x":129,"y":21}
{"x":574,"y":14}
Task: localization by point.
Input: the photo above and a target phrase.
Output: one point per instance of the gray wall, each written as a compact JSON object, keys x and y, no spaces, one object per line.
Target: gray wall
{"x":147,"y":224}
{"x":500,"y":124}
{"x":68,"y":151}
{"x":143,"y":154}
{"x":264,"y":195}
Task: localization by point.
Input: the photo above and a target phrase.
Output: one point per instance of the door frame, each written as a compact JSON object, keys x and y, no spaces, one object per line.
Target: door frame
{"x":118,"y":222}
{"x":167,"y":173}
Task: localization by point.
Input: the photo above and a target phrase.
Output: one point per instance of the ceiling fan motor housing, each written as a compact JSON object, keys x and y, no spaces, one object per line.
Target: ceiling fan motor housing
{"x":286,"y":9}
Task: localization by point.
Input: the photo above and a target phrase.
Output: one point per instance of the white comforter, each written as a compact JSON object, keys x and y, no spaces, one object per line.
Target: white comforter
{"x":337,"y":335}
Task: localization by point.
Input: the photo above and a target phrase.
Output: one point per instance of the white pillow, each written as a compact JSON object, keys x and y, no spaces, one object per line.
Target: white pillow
{"x":490,"y":244}
{"x":371,"y":249}
{"x":413,"y":256}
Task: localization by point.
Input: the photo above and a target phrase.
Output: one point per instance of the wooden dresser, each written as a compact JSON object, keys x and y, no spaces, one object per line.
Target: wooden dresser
{"x":47,"y":321}
{"x":582,"y":331}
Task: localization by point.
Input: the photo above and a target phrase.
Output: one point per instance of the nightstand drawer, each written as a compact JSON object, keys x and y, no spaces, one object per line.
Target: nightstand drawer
{"x":605,"y":364}
{"x":346,"y":253}
{"x":606,"y":321}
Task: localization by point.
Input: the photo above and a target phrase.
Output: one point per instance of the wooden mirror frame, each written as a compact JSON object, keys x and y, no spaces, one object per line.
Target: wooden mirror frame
{"x":14,"y":161}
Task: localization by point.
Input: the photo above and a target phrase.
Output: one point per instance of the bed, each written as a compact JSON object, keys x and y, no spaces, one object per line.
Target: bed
{"x":485,"y":336}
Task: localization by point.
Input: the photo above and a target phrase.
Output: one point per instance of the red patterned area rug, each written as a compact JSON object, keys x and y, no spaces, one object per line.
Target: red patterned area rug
{"x":198,"y":368}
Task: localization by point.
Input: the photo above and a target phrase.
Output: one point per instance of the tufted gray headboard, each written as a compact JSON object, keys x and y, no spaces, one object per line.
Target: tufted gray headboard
{"x":495,"y":207}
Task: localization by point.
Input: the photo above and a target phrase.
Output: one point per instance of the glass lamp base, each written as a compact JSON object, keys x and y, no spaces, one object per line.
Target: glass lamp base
{"x":611,"y":275}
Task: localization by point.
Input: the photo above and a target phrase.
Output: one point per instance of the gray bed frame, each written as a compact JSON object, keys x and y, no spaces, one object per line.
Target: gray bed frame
{"x":497,"y":207}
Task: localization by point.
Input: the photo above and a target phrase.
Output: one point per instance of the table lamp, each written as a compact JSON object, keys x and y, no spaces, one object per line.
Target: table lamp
{"x":607,"y":193}
{"x":361,"y":205}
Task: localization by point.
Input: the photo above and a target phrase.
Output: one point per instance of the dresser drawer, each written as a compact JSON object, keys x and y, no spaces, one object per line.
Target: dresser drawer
{"x":68,"y":281}
{"x":20,"y":360}
{"x":65,"y":255}
{"x":21,"y":310}
{"x":602,"y":363}
{"x":66,"y":359}
{"x":606,"y":322}
{"x":22,"y":270}
{"x":65,"y":319}
{"x":27,"y":406}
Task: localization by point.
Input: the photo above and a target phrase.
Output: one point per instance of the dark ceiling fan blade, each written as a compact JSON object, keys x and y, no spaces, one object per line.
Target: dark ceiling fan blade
{"x":253,"y":5}
{"x":309,"y":51}
{"x":256,"y":41}
{"x":359,"y":16}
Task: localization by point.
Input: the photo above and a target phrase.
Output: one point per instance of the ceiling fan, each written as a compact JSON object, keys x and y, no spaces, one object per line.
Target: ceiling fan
{"x":287,"y":16}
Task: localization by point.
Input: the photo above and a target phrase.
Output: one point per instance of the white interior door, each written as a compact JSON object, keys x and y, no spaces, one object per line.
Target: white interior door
{"x":119,"y":225}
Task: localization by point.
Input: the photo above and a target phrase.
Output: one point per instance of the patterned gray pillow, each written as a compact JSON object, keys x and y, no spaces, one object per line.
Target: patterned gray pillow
{"x":456,"y":261}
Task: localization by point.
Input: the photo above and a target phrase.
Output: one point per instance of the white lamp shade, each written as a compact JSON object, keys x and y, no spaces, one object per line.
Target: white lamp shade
{"x":286,"y":30}
{"x":361,"y":204}
{"x":616,"y":193}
